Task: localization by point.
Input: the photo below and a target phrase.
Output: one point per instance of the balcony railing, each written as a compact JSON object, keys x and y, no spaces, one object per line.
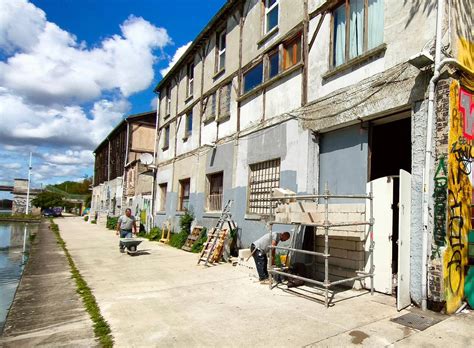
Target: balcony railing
{"x":214,"y":202}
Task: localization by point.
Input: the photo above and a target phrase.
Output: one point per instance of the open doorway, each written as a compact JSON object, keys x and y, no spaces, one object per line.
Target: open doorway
{"x":389,"y":168}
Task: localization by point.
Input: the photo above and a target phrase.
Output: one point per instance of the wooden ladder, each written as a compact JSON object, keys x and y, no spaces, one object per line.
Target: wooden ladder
{"x":212,"y":249}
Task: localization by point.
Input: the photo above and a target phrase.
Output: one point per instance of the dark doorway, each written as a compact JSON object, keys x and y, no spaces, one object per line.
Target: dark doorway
{"x":390,"y":148}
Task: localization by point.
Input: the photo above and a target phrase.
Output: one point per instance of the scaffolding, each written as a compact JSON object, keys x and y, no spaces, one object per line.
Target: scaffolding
{"x":327,"y":225}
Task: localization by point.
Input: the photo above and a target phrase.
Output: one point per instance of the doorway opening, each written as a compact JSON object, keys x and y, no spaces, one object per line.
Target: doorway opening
{"x":389,"y":156}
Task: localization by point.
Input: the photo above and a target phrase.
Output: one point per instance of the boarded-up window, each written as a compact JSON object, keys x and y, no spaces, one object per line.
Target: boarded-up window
{"x":263,"y":178}
{"x":292,"y":53}
{"x":224,"y":101}
{"x":210,"y":108}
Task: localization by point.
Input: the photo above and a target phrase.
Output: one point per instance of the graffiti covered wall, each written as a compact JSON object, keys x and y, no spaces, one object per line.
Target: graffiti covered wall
{"x":461,"y":152}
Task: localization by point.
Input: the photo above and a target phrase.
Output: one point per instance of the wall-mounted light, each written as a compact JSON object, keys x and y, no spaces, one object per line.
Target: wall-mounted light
{"x":421,"y":60}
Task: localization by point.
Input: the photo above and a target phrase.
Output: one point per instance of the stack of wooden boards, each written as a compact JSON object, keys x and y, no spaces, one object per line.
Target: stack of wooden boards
{"x":192,"y":238}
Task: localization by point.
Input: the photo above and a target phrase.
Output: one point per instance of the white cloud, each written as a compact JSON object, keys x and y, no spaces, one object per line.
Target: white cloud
{"x":20,"y":25}
{"x":62,"y":125}
{"x":179,"y":52}
{"x":60,"y":97}
{"x":13,"y":166}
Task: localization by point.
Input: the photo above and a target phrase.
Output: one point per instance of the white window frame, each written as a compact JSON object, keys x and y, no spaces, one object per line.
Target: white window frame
{"x":190,"y":77}
{"x":221,"y":51}
{"x":168,"y":101}
{"x":267,"y":11}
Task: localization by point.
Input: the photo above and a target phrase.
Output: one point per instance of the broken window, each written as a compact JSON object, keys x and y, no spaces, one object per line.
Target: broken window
{"x":184,"y":186}
{"x":263,"y":178}
{"x":362,"y":21}
{"x":214,"y":198}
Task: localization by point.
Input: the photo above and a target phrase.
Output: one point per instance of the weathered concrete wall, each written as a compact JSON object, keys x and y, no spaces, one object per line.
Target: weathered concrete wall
{"x":343,"y":161}
{"x":418,"y":130}
{"x":417,"y":23}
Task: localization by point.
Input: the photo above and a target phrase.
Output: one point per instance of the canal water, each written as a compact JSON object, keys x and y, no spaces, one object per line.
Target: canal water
{"x":12,"y":261}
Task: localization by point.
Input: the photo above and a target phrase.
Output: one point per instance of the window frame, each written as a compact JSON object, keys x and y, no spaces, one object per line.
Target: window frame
{"x":223,"y":89}
{"x":163,"y":195}
{"x":266,"y":11}
{"x":168,"y":101}
{"x":220,"y":51}
{"x":261,"y":178}
{"x":295,"y":44}
{"x":260,"y":62}
{"x":190,"y":79}
{"x":209,"y":178}
{"x":181,"y":193}
{"x":188,"y":130}
{"x":365,"y":36}
{"x":166,"y":137}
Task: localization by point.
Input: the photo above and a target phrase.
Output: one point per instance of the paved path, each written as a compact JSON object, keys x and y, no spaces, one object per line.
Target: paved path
{"x":47,"y":311}
{"x":162,"y":298}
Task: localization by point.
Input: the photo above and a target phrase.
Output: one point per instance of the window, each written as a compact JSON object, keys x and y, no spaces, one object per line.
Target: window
{"x":210,"y":108}
{"x":163,"y":192}
{"x":291,"y":53}
{"x":189,"y":124}
{"x":166,"y":138}
{"x":168,"y":100}
{"x":190,"y":78}
{"x":273,"y":64}
{"x":184,"y":186}
{"x":271,"y":15}
{"x":363,"y":22}
{"x":224,"y":100}
{"x":253,"y":77}
{"x":220,"y":51}
{"x":214,"y":197}
{"x":264,"y":177}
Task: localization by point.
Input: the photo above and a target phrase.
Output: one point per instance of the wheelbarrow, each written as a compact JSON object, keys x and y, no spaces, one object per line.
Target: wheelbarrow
{"x":131,"y":245}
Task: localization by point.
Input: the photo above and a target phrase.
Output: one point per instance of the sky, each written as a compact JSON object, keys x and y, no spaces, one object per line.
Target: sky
{"x":70,"y":70}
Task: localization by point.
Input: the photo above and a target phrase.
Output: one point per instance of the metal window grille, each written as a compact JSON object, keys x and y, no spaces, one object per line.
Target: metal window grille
{"x":264,"y":177}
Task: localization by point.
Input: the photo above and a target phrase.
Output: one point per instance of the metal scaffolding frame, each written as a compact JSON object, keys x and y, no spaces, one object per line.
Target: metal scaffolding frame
{"x":327,"y":225}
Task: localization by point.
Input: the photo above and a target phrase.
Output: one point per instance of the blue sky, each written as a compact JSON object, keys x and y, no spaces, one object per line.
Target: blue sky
{"x":70,"y":69}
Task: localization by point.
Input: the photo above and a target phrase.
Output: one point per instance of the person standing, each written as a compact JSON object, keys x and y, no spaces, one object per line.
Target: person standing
{"x":260,"y":248}
{"x":125,"y":227}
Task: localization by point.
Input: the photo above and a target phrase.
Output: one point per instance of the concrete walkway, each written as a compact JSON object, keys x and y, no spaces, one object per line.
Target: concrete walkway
{"x":162,"y":298}
{"x":47,"y":311}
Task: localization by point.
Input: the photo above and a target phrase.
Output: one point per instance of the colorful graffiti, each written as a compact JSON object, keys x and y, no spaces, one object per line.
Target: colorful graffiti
{"x":440,"y":196}
{"x":459,"y":198}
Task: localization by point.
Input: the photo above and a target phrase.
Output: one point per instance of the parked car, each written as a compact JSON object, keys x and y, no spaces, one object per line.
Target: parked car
{"x":58,"y":211}
{"x":50,"y":212}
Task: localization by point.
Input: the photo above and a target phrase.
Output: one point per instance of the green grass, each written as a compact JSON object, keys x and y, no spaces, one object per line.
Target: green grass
{"x":101,"y":327}
{"x":18,"y":217}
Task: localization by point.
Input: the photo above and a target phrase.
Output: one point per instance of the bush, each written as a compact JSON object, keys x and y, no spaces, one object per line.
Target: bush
{"x":154,"y":234}
{"x":93,"y":221}
{"x":197,"y":246}
{"x":112,"y":222}
{"x":86,"y":218}
{"x":185,"y":221}
{"x":177,"y":240}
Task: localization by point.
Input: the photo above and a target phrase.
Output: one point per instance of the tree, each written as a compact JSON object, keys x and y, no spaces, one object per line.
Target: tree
{"x":48,"y":200}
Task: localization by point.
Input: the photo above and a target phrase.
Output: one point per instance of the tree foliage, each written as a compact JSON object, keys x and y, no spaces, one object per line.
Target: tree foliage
{"x":47,"y":199}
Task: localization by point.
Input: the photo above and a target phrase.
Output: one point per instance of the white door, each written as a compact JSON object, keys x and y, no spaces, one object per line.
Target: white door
{"x":403,"y":293}
{"x":382,"y":232}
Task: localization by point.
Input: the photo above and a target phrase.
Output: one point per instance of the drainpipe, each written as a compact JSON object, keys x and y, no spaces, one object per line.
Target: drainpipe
{"x":127,"y":145}
{"x":439,"y":64}
{"x":155,"y":167}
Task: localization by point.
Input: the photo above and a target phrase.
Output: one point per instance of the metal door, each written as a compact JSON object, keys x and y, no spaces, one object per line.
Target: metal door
{"x":404,"y":217}
{"x":382,"y":230}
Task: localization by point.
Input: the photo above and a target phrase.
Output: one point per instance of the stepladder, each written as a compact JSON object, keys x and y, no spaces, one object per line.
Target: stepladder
{"x":213,"y":248}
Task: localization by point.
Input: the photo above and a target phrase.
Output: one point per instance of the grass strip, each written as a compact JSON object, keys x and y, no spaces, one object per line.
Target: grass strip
{"x":101,"y":327}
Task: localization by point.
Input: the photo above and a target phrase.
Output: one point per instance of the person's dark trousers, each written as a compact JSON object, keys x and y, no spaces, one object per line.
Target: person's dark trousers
{"x":124,"y":234}
{"x":261,"y":262}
